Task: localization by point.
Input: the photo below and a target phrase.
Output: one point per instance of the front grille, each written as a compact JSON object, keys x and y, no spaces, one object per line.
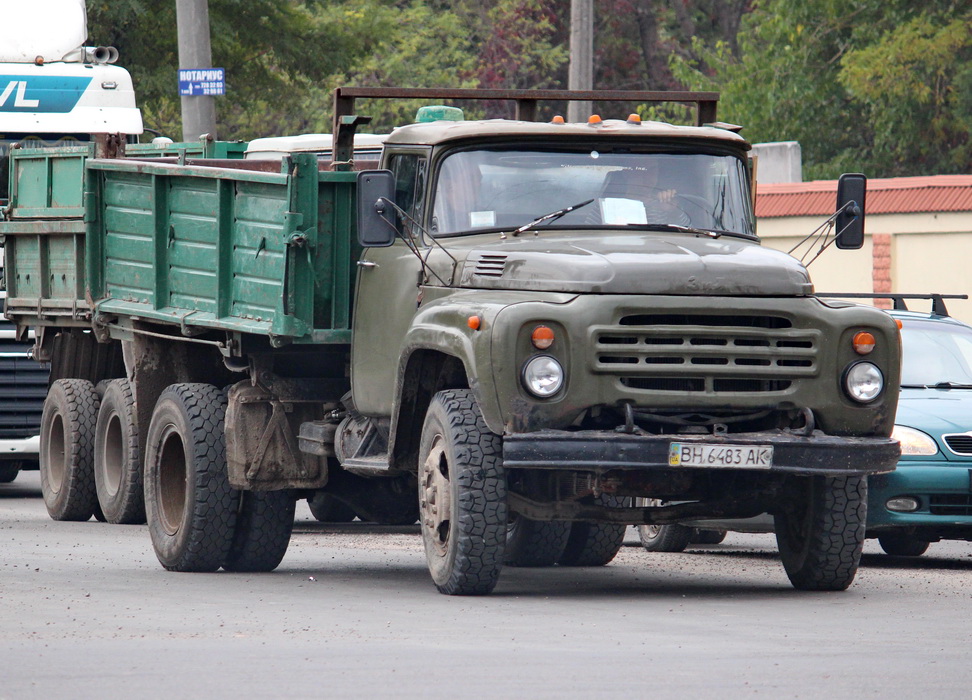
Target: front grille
{"x":950,"y":504}
{"x":23,"y":386}
{"x":706,"y":353}
{"x":960,"y":444}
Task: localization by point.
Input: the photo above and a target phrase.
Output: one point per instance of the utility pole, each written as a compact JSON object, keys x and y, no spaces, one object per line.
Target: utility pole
{"x":581,"y":72}
{"x":198,"y":112}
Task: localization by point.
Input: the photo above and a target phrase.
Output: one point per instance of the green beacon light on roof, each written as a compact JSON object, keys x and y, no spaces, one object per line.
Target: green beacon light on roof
{"x":439,"y":113}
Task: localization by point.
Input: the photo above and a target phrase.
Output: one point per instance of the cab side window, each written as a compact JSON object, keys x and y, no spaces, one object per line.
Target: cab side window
{"x":409,"y":170}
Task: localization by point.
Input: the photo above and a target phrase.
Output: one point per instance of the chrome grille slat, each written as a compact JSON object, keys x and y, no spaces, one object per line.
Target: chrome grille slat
{"x":959,"y":443}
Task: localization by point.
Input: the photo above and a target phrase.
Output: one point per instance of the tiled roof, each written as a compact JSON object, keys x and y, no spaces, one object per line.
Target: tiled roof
{"x":898,"y":195}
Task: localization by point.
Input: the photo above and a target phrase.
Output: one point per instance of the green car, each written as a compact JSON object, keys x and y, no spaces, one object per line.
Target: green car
{"x":929,"y":495}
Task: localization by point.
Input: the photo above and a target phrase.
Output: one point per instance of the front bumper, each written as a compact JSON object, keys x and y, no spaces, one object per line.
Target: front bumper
{"x":600,"y":451}
{"x":20,"y":448}
{"x":943,"y":491}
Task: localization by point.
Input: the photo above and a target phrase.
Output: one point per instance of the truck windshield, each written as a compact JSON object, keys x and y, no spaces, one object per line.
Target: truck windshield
{"x":480,"y":190}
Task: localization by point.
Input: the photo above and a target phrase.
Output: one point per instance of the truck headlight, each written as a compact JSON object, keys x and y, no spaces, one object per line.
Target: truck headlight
{"x":863,"y":382}
{"x":543,"y":376}
{"x":914,"y":442}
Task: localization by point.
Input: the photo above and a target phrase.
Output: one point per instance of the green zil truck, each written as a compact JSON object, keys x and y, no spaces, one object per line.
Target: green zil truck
{"x":526,"y":336}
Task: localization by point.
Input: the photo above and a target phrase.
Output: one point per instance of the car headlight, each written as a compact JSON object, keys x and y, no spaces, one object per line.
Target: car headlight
{"x":543,"y":376}
{"x":863,"y":382}
{"x":914,"y":442}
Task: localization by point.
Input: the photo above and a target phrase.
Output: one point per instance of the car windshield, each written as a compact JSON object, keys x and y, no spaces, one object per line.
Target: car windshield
{"x":496,"y":189}
{"x":935,"y":353}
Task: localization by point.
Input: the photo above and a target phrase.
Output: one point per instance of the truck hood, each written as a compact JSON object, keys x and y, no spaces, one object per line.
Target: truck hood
{"x":634,"y":263}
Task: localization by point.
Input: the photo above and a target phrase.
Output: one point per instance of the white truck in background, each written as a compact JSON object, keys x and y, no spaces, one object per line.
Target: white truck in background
{"x":54,"y":92}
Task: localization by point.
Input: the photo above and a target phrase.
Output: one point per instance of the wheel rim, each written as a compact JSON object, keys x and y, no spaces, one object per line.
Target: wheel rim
{"x":649,"y":532}
{"x":56,"y":454}
{"x":436,"y":497}
{"x":112,"y":455}
{"x":172,"y":480}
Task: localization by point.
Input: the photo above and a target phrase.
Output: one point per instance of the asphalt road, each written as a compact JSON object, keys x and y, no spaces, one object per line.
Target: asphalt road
{"x":87,"y":612}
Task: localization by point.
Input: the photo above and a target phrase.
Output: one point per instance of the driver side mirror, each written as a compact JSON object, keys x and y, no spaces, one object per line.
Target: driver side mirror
{"x":851,"y":190}
{"x":376,"y":216}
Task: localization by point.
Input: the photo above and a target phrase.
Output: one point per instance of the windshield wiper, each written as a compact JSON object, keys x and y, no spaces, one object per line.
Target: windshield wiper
{"x":711,"y":233}
{"x":552,"y":216}
{"x":940,"y":385}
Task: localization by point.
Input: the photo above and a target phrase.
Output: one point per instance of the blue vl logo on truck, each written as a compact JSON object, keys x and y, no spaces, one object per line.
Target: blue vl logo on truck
{"x":44,"y":93}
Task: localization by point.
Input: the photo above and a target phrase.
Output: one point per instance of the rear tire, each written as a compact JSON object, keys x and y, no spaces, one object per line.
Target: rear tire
{"x":263,"y":527}
{"x":902,"y":544}
{"x":534,"y":542}
{"x":462,"y":496}
{"x":67,"y":450}
{"x":594,"y":544}
{"x":118,"y":456}
{"x":820,"y":531}
{"x":190,"y":506}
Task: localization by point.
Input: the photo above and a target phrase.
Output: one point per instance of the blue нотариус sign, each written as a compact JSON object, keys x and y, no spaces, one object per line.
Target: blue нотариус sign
{"x":196,"y":82}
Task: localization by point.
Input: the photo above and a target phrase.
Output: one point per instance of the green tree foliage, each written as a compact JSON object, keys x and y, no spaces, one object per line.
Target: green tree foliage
{"x":275,"y":54}
{"x":819,"y":73}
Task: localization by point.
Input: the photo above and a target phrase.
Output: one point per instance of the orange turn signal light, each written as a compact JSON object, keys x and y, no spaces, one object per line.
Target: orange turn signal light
{"x":863,"y":343}
{"x":542,"y":337}
{"x":474,"y":322}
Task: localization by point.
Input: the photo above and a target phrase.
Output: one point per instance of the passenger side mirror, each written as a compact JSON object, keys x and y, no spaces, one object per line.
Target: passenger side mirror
{"x":851,"y":190}
{"x":376,"y":216}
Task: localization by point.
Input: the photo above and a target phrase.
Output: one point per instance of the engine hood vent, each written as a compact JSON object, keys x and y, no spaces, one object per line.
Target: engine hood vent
{"x":490,"y":265}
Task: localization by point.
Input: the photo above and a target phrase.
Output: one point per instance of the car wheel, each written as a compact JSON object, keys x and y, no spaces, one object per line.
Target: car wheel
{"x":902,"y":544}
{"x":67,"y":450}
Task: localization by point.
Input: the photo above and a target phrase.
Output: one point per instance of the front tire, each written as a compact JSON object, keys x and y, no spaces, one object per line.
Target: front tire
{"x":118,"y":456}
{"x":190,"y":506}
{"x":462,"y":496}
{"x":9,"y":471}
{"x":820,"y":531}
{"x":67,"y":450}
{"x":902,"y":544}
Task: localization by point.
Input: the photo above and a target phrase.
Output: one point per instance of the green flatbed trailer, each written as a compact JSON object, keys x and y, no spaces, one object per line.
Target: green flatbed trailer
{"x":227,"y":337}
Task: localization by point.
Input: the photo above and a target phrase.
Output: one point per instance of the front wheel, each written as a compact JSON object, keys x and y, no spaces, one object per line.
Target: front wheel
{"x":902,"y":544}
{"x":190,"y":506}
{"x":820,"y":530}
{"x":462,"y":496}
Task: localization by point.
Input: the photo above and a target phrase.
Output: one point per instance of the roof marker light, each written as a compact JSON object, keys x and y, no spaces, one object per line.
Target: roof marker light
{"x":557,"y":120}
{"x":634,"y":119}
{"x":594,"y":120}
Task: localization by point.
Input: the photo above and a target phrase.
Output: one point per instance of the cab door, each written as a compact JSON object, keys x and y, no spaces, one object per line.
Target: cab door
{"x":387,"y":295}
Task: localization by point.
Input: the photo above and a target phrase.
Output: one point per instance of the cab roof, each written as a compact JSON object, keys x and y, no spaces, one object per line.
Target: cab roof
{"x":434,"y":133}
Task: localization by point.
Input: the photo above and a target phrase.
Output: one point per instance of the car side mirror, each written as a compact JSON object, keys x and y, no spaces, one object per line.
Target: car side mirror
{"x":851,"y":190}
{"x":376,"y":216}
